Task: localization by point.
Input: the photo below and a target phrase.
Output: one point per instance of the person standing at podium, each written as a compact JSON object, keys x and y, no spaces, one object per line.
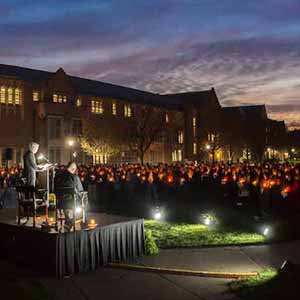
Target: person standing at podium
{"x":30,"y":165}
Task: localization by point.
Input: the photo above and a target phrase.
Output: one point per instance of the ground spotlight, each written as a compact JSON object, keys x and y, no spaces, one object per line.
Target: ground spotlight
{"x":207,"y":221}
{"x":266,"y":231}
{"x":157,"y":214}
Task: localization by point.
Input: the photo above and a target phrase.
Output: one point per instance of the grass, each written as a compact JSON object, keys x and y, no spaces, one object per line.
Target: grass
{"x":173,"y":235}
{"x":270,"y":284}
{"x":245,"y":288}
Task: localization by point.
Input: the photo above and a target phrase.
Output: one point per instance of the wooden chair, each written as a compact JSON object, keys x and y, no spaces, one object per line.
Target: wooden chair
{"x":28,"y":201}
{"x":61,"y":194}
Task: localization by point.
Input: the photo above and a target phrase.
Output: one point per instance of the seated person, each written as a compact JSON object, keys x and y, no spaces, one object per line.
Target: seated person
{"x":67,"y":179}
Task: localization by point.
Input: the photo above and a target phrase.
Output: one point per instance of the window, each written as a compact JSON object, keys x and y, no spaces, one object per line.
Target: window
{"x":194,"y":148}
{"x":59,"y":98}
{"x":10,"y":96}
{"x":76,"y":127}
{"x":78,"y":102}
{"x":17,"y":96}
{"x":174,"y":156}
{"x":211,"y":137}
{"x":2,"y":94}
{"x":55,"y":154}
{"x":36,"y":96}
{"x":54,"y":128}
{"x":180,"y":137}
{"x":97,"y":107}
{"x":179,"y":155}
{"x":114,"y":108}
{"x":194,"y":126}
{"x":127,"y":111}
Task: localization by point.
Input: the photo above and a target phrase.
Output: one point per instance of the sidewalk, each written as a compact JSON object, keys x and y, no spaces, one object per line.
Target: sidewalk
{"x":106,"y":283}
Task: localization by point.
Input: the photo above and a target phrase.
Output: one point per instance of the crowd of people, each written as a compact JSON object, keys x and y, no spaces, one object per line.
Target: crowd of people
{"x":238,"y":179}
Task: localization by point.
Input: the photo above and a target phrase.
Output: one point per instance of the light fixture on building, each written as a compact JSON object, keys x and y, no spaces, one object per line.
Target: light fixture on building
{"x":78,"y":210}
{"x":208,"y":147}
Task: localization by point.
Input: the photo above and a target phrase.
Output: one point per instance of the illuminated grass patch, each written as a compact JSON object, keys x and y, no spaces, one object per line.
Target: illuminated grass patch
{"x":247,"y":287}
{"x":172,"y":235}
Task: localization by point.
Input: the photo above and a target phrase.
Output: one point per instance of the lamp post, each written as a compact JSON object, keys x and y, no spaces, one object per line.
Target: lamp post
{"x":71,"y":144}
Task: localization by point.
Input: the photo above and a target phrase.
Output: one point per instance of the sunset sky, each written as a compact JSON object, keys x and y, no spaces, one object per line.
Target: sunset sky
{"x":248,"y":50}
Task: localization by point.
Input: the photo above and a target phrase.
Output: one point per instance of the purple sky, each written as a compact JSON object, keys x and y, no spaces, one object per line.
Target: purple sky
{"x":248,"y":50}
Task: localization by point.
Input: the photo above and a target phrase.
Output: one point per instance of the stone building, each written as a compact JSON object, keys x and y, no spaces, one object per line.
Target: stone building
{"x":50,"y":107}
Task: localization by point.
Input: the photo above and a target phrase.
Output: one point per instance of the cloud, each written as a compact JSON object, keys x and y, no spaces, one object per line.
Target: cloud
{"x":249,"y":51}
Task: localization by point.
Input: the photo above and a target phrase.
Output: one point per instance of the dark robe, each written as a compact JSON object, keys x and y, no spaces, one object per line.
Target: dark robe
{"x":66,"y":180}
{"x":30,"y":168}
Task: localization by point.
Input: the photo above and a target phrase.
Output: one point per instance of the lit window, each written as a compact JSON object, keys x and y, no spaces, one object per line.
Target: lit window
{"x":127,"y":110}
{"x":17,"y":96}
{"x":97,"y":107}
{"x":58,"y":98}
{"x":174,"y":155}
{"x":194,"y":148}
{"x":211,"y":137}
{"x":180,"y":137}
{"x":179,"y":155}
{"x":36,"y":96}
{"x":194,"y":126}
{"x":167,"y":118}
{"x":10,"y":96}
{"x":78,"y":102}
{"x":114,"y":108}
{"x":2,"y":94}
{"x":194,"y":122}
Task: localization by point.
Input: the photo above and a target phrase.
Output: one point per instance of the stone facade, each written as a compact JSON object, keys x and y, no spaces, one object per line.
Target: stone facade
{"x":48,"y":107}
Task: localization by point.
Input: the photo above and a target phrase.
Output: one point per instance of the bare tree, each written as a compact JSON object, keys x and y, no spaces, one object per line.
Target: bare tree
{"x":146,"y":127}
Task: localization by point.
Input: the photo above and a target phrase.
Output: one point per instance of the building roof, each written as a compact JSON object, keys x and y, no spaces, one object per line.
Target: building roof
{"x":88,"y":87}
{"x":198,"y":98}
{"x":247,"y":111}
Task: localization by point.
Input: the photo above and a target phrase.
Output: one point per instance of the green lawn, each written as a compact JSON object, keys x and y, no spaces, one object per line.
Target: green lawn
{"x":245,"y":288}
{"x":172,"y":235}
{"x":269,"y":284}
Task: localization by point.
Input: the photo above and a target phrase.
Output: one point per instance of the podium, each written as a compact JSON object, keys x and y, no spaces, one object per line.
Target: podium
{"x":48,"y":183}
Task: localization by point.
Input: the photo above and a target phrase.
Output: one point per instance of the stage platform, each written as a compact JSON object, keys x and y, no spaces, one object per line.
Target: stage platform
{"x":115,"y":238}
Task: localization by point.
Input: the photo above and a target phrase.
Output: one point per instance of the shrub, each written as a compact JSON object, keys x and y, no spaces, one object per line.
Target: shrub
{"x":150,"y":244}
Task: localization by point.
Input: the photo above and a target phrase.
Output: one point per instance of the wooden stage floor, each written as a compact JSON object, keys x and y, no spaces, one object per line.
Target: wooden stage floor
{"x":8,"y":216}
